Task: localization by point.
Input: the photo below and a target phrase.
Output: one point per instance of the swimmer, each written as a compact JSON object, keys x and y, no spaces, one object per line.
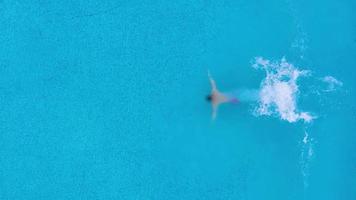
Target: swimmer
{"x":216,"y":97}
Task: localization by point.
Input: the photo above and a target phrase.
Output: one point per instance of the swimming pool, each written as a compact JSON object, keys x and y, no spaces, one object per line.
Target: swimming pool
{"x":105,"y":99}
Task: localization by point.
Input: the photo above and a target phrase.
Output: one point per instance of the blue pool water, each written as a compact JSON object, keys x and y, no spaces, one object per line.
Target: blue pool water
{"x":106,"y":99}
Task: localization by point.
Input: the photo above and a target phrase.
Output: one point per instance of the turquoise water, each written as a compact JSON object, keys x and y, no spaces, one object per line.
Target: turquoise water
{"x":105,"y":100}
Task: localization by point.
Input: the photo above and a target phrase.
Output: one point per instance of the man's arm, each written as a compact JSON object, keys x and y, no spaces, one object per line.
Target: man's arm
{"x":212,"y":82}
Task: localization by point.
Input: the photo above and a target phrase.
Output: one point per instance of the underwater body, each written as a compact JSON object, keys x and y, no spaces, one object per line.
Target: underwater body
{"x":106,"y":99}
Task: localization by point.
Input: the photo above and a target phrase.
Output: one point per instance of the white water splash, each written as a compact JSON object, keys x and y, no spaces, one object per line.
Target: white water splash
{"x":306,"y":155}
{"x":279,"y":90}
{"x":299,"y":46}
{"x":332,"y":83}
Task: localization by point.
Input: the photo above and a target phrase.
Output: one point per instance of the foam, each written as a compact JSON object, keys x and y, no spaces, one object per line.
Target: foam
{"x":332,"y":83}
{"x":306,"y":156}
{"x":279,"y":90}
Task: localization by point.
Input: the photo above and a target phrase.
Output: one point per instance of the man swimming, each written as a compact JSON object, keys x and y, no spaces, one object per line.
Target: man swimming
{"x":216,"y":97}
